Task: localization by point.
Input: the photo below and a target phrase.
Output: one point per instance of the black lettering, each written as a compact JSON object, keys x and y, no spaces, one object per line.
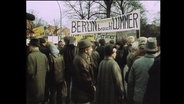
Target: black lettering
{"x":135,"y":17}
{"x":124,"y":21}
{"x":110,"y":25}
{"x":113,"y":23}
{"x":94,"y":25}
{"x":87,"y":26}
{"x":73,"y":26}
{"x":129,"y":20}
{"x":90,"y":29}
{"x":83,"y":26}
{"x":119,"y":23}
{"x":99,"y":28}
{"x":78,"y":25}
{"x":116,"y":23}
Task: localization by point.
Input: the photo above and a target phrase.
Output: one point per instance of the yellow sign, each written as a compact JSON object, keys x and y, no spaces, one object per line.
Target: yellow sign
{"x":84,"y":36}
{"x":38,"y":31}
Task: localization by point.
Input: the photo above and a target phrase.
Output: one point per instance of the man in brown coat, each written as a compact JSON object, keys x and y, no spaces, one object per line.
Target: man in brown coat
{"x":37,"y":65}
{"x":83,"y":88}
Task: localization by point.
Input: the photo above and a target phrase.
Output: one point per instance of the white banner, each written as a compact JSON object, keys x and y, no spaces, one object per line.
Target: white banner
{"x":53,"y":39}
{"x":129,"y":21}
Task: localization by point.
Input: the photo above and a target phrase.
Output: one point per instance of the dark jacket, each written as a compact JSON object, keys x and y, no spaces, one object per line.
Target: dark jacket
{"x":82,"y":80}
{"x":152,"y":94}
{"x":95,"y":57}
{"x":69,"y":51}
{"x":121,"y":57}
{"x":100,"y":50}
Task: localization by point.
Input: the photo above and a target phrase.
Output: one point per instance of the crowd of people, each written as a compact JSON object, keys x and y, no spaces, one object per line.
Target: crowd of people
{"x":123,"y":72}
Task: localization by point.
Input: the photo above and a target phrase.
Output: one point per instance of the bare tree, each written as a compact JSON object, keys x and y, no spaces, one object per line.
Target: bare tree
{"x":156,"y":20}
{"x":108,"y":4}
{"x":82,"y":9}
{"x":106,"y":7}
{"x":56,"y":22}
{"x":75,"y":9}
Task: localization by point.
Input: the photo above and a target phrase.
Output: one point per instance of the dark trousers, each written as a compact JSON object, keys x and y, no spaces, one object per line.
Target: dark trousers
{"x":56,"y":96}
{"x":68,"y":82}
{"x":47,"y":87}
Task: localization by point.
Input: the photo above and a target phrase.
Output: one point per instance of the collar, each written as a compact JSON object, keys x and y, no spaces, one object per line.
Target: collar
{"x":85,"y":57}
{"x":36,"y":49}
{"x":150,"y":55}
{"x":108,"y":58}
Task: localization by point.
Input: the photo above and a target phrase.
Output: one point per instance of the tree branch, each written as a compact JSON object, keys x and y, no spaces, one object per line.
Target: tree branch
{"x":73,"y":7}
{"x":96,"y":14}
{"x":101,"y":5}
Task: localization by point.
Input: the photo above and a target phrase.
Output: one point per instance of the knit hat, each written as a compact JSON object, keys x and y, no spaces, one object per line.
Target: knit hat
{"x":84,"y":43}
{"x":130,"y":39}
{"x":53,"y":49}
{"x":142,"y":42}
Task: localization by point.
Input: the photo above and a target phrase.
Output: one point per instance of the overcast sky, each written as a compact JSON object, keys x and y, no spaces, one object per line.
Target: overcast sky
{"x":49,"y":10}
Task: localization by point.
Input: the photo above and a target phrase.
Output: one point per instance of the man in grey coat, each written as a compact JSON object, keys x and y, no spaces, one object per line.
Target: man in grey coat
{"x":109,"y":80}
{"x":37,"y":65}
{"x":138,"y":75}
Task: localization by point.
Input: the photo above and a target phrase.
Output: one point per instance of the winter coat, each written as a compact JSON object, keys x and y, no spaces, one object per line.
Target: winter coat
{"x":95,"y":58}
{"x":82,"y":79}
{"x":37,"y":65}
{"x":138,"y":78}
{"x":69,"y":52}
{"x":121,"y":57}
{"x":100,"y":50}
{"x":109,"y":82}
{"x":57,"y":65}
{"x":45,"y":50}
{"x":152,"y":94}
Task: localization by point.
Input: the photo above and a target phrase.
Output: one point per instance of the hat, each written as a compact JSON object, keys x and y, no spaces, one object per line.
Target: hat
{"x":134,"y":46}
{"x":151,"y":45}
{"x":102,"y":41}
{"x":34,"y":42}
{"x":42,"y":40}
{"x":142,"y":42}
{"x":30,"y":17}
{"x":53,"y":49}
{"x":130,"y":39}
{"x":72,"y":40}
{"x":84,"y":43}
{"x":66,"y":39}
{"x":119,"y":42}
{"x":30,"y":31}
{"x":109,"y":49}
{"x":111,"y":41}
